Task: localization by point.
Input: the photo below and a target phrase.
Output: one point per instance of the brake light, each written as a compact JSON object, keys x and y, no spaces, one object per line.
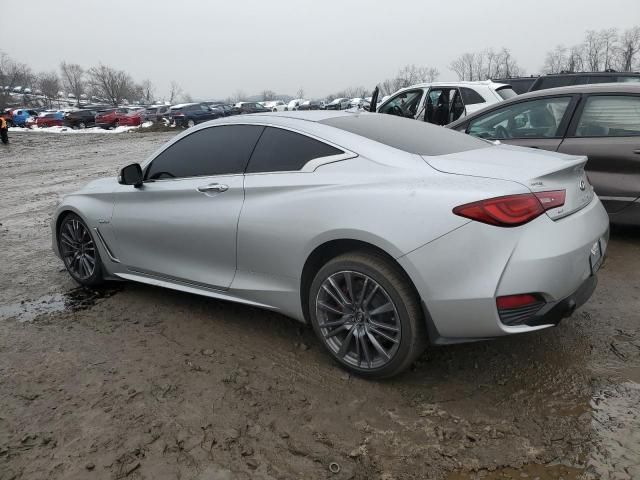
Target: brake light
{"x":511,"y":210}
{"x":508,"y":211}
{"x":552,"y":199}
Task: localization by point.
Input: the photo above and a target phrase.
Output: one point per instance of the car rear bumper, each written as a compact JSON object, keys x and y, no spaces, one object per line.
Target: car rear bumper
{"x":459,"y":275}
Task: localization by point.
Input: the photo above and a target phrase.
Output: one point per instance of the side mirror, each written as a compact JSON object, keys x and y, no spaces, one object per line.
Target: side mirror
{"x":131,"y":175}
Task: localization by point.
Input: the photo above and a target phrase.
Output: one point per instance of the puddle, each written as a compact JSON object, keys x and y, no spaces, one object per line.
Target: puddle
{"x":531,"y":471}
{"x":72,"y":301}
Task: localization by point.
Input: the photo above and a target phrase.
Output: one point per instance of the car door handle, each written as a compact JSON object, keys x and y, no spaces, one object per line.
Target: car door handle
{"x":214,"y":187}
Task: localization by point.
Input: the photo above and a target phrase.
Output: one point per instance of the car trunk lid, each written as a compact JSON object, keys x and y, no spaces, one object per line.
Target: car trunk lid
{"x":537,"y":170}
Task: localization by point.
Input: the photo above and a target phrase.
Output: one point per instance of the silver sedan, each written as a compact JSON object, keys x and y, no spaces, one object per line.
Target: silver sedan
{"x":385,"y":234}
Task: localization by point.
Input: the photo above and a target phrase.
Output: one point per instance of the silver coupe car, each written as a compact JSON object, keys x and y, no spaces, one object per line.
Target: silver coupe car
{"x":385,"y":234}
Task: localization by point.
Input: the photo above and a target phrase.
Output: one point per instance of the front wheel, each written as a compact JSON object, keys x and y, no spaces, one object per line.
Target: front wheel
{"x":82,"y":126}
{"x":365,"y":311}
{"x":79,"y":252}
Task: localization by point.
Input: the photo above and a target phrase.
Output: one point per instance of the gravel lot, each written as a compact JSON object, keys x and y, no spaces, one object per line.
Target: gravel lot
{"x":138,"y":382}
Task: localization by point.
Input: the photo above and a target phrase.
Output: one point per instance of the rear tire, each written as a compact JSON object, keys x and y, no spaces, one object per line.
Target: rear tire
{"x":82,"y":125}
{"x":191,"y":123}
{"x":364,"y":300}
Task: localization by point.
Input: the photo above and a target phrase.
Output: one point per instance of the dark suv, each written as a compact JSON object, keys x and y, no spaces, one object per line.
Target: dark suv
{"x":80,"y":119}
{"x":555,"y":80}
{"x":601,"y":122}
{"x":191,"y":114}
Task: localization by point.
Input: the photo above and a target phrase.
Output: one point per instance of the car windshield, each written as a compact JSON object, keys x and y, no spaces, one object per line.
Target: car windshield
{"x":406,"y":134}
{"x":506,"y":92}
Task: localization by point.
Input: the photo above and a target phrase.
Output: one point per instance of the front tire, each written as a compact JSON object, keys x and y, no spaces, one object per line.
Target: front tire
{"x":367,"y":314}
{"x":82,"y":126}
{"x":79,"y":252}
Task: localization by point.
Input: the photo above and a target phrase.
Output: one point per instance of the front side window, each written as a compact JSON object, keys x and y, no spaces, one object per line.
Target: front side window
{"x":212,"y":151}
{"x":404,"y":104}
{"x":532,"y":119}
{"x":282,"y":150}
{"x":610,"y":116}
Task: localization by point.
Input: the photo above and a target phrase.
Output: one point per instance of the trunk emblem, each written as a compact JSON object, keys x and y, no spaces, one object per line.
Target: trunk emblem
{"x":583,"y":185}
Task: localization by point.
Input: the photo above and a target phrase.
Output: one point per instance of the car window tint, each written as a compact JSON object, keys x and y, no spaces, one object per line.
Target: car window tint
{"x":282,"y":150}
{"x":470,"y":97}
{"x":610,"y":116}
{"x":404,"y":104}
{"x":211,"y":151}
{"x":533,"y":119}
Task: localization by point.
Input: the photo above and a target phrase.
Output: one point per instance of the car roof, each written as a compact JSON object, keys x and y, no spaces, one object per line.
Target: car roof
{"x":485,"y":83}
{"x":618,"y":88}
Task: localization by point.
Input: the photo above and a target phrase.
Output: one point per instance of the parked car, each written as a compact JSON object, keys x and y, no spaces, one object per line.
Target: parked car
{"x":111,"y":118}
{"x":374,"y":283}
{"x":80,"y":119}
{"x":226,"y":110}
{"x":599,"y":121}
{"x":251,"y":107}
{"x":311,"y":105}
{"x":519,"y":85}
{"x":554,"y":80}
{"x":21,"y":115}
{"x":47,"y":119}
{"x":190,"y":114}
{"x":132,"y":119}
{"x":444,"y":102}
{"x":339,"y":104}
{"x":295,"y":104}
{"x":156,"y":113}
{"x":275,"y":105}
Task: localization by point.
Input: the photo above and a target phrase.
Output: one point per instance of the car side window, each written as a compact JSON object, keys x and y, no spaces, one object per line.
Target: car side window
{"x":404,"y":104}
{"x":610,"y":116}
{"x":470,"y":96}
{"x":533,"y":119}
{"x":212,"y":151}
{"x":281,"y":150}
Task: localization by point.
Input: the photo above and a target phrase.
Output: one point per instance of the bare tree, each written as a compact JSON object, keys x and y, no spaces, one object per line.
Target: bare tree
{"x":147,"y":91}
{"x":629,"y":49}
{"x":556,"y":60}
{"x":49,"y":84}
{"x":609,"y":43}
{"x":268,"y":95}
{"x":300,"y":93}
{"x":175,"y":91}
{"x":114,"y":85}
{"x":239,"y":96}
{"x":12,"y":74}
{"x":485,"y":65}
{"x":575,"y":59}
{"x":187,"y":98}
{"x":73,"y":79}
{"x":593,"y":50}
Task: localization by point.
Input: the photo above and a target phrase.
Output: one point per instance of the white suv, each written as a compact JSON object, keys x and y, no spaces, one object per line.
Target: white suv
{"x":444,"y":102}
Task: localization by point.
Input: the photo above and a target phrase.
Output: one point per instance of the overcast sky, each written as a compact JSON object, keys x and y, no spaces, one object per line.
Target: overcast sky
{"x":216,"y":48}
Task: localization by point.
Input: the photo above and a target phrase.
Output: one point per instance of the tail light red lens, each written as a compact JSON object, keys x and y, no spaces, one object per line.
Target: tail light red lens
{"x":552,"y":199}
{"x":511,"y":210}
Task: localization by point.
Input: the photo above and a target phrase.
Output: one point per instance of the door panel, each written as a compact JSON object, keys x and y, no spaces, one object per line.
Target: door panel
{"x":169,"y":228}
{"x":613,"y":167}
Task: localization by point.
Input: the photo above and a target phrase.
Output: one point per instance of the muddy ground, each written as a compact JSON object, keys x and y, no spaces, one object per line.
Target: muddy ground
{"x":139,"y":382}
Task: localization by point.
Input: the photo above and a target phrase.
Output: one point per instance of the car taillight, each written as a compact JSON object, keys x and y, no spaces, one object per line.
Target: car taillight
{"x":515,"y":301}
{"x":551,"y":199}
{"x":511,"y":210}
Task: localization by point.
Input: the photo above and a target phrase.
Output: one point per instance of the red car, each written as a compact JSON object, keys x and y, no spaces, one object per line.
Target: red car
{"x":54,"y":119}
{"x":131,"y":119}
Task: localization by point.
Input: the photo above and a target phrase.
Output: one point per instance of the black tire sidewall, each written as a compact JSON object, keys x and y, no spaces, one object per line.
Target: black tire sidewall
{"x":96,"y":278}
{"x":398,"y":362}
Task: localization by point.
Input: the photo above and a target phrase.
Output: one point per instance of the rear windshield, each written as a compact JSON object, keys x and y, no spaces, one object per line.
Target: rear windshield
{"x":410,"y":135}
{"x":506,"y":92}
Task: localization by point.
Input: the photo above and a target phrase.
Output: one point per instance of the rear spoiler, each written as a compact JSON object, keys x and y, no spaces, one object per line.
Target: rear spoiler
{"x":374,"y":99}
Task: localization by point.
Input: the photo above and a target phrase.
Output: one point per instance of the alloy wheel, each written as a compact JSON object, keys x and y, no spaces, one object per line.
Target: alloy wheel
{"x":358,"y":319}
{"x":77,"y":249}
